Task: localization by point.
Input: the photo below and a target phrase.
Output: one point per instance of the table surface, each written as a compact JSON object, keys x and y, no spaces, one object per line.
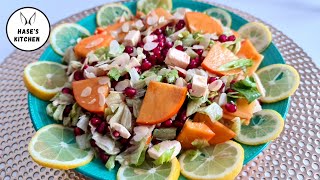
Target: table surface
{"x":299,"y":20}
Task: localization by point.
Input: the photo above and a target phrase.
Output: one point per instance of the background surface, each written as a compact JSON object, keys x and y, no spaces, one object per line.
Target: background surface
{"x":296,"y":18}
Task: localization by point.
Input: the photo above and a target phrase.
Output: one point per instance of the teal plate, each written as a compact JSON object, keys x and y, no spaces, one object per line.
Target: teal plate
{"x":96,"y":169}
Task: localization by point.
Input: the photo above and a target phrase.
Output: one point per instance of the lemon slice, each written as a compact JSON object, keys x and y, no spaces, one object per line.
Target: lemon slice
{"x":54,"y":146}
{"x":66,"y":35}
{"x":146,"y":6}
{"x":147,"y":170}
{"x":221,"y":15}
{"x":111,"y":13}
{"x":221,"y":161}
{"x":44,"y":79}
{"x":279,"y":80}
{"x":257,"y":33}
{"x":265,"y":125}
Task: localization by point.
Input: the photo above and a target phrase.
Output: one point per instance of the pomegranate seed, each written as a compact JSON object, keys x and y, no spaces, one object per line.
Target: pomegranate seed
{"x":130,"y":92}
{"x":231,"y":107}
{"x":125,"y":76}
{"x":146,"y":65}
{"x":128,"y":49}
{"x":161,"y":37}
{"x":193,"y":64}
{"x":189,"y":86}
{"x":160,"y":60}
{"x":211,"y":99}
{"x":232,"y":82}
{"x":93,"y":143}
{"x":156,"y":51}
{"x":222,"y":38}
{"x":199,"y":51}
{"x":180,"y":47}
{"x":167,"y":123}
{"x":78,"y":75}
{"x":182,"y":115}
{"x":157,"y":32}
{"x":77,"y":131}
{"x":222,"y":87}
{"x":140,"y":44}
{"x":212,"y":79}
{"x":164,"y":52}
{"x":104,"y":157}
{"x":86,"y":66}
{"x":158,"y":125}
{"x":180,"y":74}
{"x":95,"y":121}
{"x":178,"y":124}
{"x":168,"y":44}
{"x":67,"y":110}
{"x":232,"y":38}
{"x":161,"y":44}
{"x":230,"y":90}
{"x":180,"y":25}
{"x":102,"y":128}
{"x":115,"y":133}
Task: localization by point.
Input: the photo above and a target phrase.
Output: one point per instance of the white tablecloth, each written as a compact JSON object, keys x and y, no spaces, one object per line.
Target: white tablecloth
{"x":300,"y":20}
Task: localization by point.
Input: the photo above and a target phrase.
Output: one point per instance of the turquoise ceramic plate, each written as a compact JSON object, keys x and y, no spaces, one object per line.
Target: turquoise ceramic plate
{"x":96,"y":169}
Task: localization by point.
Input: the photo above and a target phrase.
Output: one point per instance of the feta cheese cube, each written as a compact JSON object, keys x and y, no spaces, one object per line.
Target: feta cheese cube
{"x":132,"y":38}
{"x":157,"y":150}
{"x":199,"y":86}
{"x":177,"y":58}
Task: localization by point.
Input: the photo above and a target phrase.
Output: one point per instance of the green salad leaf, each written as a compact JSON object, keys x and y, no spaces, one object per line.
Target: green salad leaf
{"x":165,"y":157}
{"x":114,"y":74}
{"x":247,"y":88}
{"x":239,"y":63}
{"x":111,"y":163}
{"x":172,"y":76}
{"x":165,"y":133}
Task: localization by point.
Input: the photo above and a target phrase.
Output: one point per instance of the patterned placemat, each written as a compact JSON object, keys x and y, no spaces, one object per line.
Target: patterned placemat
{"x":294,"y":155}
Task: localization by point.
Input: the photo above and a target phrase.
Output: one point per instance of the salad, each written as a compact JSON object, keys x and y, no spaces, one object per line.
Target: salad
{"x":161,"y":93}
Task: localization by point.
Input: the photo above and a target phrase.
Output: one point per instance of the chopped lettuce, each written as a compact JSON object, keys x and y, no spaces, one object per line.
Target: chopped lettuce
{"x":200,"y":143}
{"x":214,"y":111}
{"x":106,"y":143}
{"x":110,"y":163}
{"x":165,"y":133}
{"x":172,"y":76}
{"x":62,"y":98}
{"x":114,"y":74}
{"x":58,"y":113}
{"x":191,"y":52}
{"x":134,"y":76}
{"x":75,"y":114}
{"x":247,"y":88}
{"x":122,"y":116}
{"x":69,"y":56}
{"x":115,"y":49}
{"x":51,"y":109}
{"x":236,"y":64}
{"x":165,"y":157}
{"x":135,"y":154}
{"x":114,"y":99}
{"x":194,"y":105}
{"x":83,"y":141}
{"x":135,"y":104}
{"x":83,"y":122}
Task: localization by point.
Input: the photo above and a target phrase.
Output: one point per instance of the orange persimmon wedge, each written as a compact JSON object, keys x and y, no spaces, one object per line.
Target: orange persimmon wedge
{"x":222,"y":133}
{"x":161,"y":102}
{"x":192,"y":131}
{"x":218,"y":56}
{"x":200,"y":22}
{"x":91,"y":43}
{"x":90,"y":92}
{"x":248,"y":51}
{"x":244,"y":110}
